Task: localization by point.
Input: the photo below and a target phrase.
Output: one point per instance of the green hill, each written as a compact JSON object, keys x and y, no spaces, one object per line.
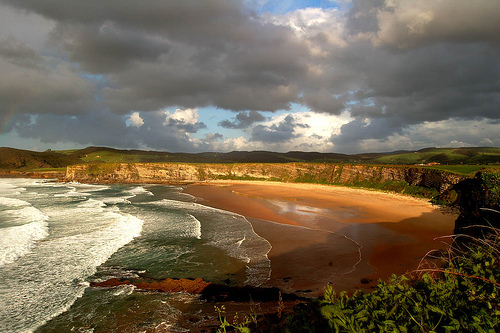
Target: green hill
{"x":464,"y":160}
{"x":476,"y":155}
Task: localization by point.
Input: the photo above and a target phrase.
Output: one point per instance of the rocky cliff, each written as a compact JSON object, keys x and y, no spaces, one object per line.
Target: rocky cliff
{"x":341,"y":174}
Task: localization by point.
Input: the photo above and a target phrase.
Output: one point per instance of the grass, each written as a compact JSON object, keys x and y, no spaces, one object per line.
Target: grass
{"x":466,"y":170}
{"x":50,"y":169}
{"x":461,"y":294}
{"x":444,"y":156}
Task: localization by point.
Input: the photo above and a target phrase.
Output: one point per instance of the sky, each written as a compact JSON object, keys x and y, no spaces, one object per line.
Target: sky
{"x":345,"y":76}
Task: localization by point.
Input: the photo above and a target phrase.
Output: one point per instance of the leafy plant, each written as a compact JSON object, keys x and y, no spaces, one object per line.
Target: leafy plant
{"x":460,"y":296}
{"x":240,"y":326}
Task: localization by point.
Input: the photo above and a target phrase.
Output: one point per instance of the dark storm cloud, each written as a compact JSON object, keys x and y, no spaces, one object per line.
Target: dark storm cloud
{"x":281,"y":132}
{"x":243,"y":120}
{"x":189,"y":53}
{"x":390,"y":64}
{"x":431,"y":83}
{"x":19,"y":54}
{"x":406,"y":24}
{"x":186,"y":127}
{"x":105,"y":128}
{"x":322,"y":101}
{"x":25,"y":87}
{"x":105,"y":49}
{"x":362,"y":17}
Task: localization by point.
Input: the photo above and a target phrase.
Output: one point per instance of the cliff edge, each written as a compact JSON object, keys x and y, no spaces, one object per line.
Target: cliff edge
{"x":398,"y":178}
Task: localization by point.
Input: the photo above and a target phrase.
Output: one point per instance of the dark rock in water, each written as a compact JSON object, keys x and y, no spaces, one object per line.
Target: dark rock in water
{"x":195,"y":286}
{"x":207,"y":290}
{"x":365,"y":280}
{"x":218,"y":292}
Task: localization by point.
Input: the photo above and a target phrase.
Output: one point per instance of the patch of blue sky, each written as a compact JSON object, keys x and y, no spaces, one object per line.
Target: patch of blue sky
{"x":94,"y":77}
{"x":212,"y":116}
{"x":285,"y":6}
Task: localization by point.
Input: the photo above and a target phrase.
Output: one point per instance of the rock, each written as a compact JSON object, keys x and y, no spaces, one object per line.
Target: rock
{"x":195,"y":286}
{"x":207,"y":290}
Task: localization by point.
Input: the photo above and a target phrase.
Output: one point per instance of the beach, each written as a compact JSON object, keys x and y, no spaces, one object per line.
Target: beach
{"x":322,"y":234}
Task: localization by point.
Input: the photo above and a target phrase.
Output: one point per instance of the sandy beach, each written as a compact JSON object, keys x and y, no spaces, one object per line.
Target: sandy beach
{"x":328,"y":234}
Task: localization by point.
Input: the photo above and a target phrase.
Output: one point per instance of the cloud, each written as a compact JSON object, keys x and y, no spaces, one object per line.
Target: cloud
{"x":107,"y":48}
{"x":25,"y":87}
{"x":373,"y":71}
{"x":136,"y":120}
{"x":450,"y":133}
{"x":161,"y":130}
{"x":166,"y":53}
{"x":322,"y":101}
{"x":243,"y":120}
{"x":18,"y":54}
{"x":276,"y":133}
{"x":186,"y":120}
{"x":405,"y":23}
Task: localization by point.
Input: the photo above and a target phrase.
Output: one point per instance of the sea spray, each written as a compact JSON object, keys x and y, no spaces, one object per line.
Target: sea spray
{"x":39,"y":280}
{"x":232,"y":233}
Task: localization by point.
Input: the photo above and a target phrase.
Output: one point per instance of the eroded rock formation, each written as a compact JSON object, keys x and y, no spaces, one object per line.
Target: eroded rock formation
{"x":288,"y":172}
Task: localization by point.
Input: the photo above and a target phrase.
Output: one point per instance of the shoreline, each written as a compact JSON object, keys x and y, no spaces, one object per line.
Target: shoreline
{"x":388,"y":232}
{"x":384,"y":233}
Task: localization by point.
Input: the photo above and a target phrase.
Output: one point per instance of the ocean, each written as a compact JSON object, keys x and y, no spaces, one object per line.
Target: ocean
{"x":56,"y":238}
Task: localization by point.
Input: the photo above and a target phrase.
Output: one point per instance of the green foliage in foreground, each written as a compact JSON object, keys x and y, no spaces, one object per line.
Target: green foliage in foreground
{"x":460,"y":295}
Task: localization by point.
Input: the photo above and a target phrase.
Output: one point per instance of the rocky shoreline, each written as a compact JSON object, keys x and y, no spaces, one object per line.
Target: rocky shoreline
{"x":213,"y":292}
{"x":321,"y":173}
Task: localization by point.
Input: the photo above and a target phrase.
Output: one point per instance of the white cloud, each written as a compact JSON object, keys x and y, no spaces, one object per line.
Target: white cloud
{"x":311,"y":131}
{"x":136,"y":120}
{"x":317,"y":27}
{"x":186,"y":116}
{"x":445,"y":133}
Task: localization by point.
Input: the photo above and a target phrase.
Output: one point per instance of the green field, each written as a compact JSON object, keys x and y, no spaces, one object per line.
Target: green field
{"x":485,"y":155}
{"x":460,"y":160}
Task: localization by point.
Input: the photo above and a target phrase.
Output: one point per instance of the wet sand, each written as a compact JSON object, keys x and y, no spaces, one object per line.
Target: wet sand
{"x":328,"y":234}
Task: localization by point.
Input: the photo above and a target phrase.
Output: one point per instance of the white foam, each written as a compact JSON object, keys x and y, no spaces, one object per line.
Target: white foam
{"x":196,"y":230}
{"x":72,"y":193}
{"x":234,"y":234}
{"x":91,"y":187}
{"x":19,"y":240}
{"x":12,"y":202}
{"x":61,"y":264}
{"x":140,"y":190}
{"x":93,"y":204}
{"x":124,"y":290}
{"x":116,"y":200}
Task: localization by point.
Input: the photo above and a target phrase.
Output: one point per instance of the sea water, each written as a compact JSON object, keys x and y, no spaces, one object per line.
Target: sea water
{"x":56,"y":238}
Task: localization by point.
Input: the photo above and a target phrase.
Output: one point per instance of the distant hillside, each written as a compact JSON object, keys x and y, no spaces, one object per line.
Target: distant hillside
{"x":11,"y":158}
{"x":476,"y":155}
{"x":25,"y":160}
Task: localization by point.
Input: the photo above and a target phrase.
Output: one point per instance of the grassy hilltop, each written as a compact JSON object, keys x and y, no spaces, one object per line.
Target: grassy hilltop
{"x":467,"y":159}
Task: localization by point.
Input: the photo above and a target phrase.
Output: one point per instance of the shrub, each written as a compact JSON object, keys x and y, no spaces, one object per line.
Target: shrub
{"x":460,"y":296}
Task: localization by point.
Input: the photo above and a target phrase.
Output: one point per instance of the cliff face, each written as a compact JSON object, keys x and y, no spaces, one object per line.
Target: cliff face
{"x":290,"y":172}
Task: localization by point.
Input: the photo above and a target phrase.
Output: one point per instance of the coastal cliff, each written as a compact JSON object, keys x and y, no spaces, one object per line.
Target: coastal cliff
{"x":323,"y":173}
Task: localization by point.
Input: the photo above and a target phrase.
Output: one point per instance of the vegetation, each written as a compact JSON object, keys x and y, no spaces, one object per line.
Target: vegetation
{"x":457,"y":290}
{"x":476,"y":155}
{"x":461,"y":294}
{"x":25,"y":160}
{"x":466,"y":170}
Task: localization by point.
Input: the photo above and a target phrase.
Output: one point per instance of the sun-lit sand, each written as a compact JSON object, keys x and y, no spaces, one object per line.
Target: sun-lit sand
{"x":328,"y":234}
